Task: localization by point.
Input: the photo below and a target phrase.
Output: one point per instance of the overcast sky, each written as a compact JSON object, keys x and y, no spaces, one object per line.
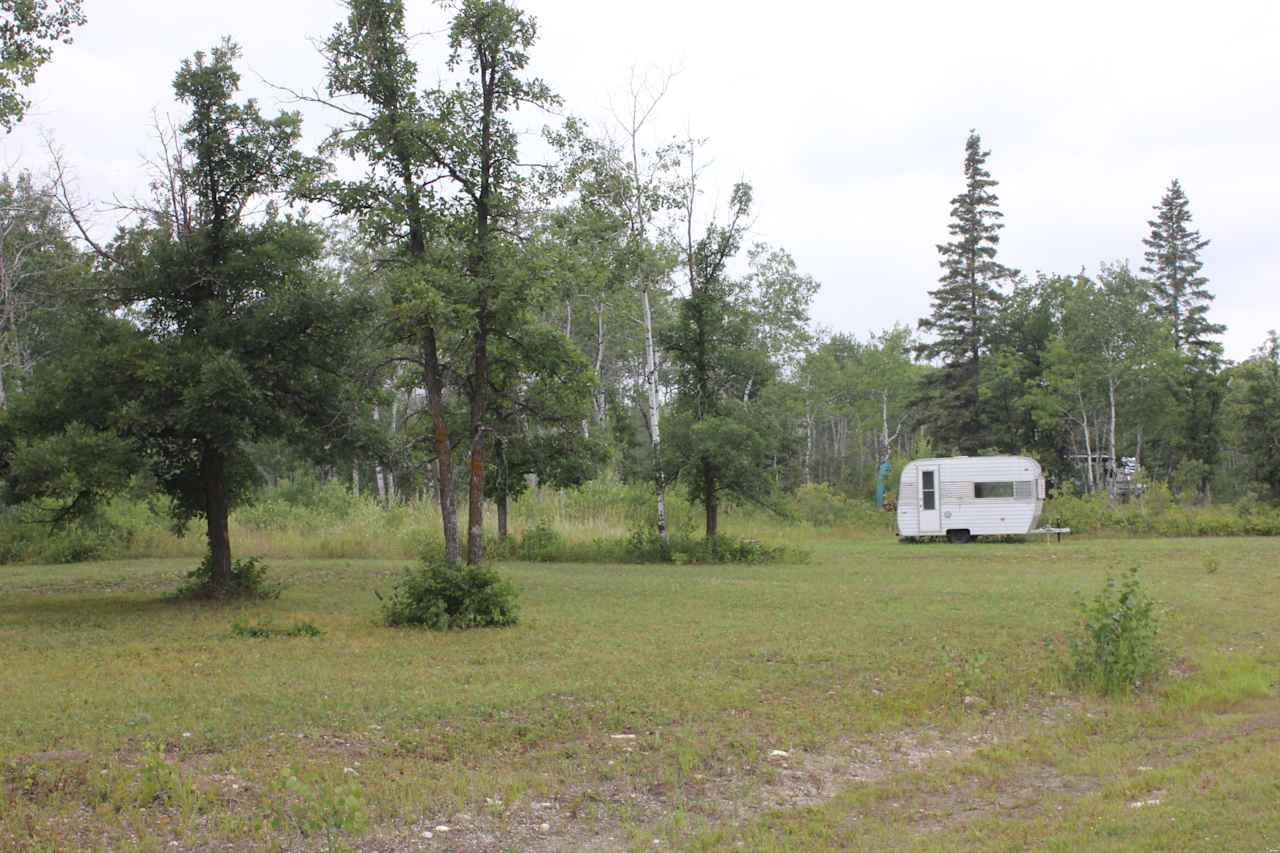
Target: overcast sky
{"x":848,"y":118}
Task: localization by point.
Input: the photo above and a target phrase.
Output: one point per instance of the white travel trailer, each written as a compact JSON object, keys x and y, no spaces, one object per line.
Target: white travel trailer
{"x":961,"y":497}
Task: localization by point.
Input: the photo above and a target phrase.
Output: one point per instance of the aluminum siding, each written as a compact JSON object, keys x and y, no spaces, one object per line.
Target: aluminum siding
{"x":986,"y":517}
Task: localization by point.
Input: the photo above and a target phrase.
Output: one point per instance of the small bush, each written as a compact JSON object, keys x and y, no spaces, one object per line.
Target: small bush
{"x":541,"y":544}
{"x":442,"y":596}
{"x":1115,"y":650}
{"x":644,"y":546}
{"x":248,"y":580}
{"x":265,"y":630}
{"x":730,"y":549}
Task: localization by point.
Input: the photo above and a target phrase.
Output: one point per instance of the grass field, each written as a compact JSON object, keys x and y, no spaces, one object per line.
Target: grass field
{"x":878,"y":696}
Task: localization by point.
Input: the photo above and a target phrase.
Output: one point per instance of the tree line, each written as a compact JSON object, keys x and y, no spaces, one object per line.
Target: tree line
{"x":468,"y":322}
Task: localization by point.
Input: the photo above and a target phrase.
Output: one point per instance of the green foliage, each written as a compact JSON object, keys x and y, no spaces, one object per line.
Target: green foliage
{"x":1114,"y":651}
{"x":69,"y":471}
{"x":968,"y":672}
{"x":313,"y":807}
{"x":719,"y":437}
{"x":1156,"y":514}
{"x":820,"y":505}
{"x":723,"y":548}
{"x":302,"y":502}
{"x":28,"y":33}
{"x":266,"y":630}
{"x":1255,"y":413}
{"x":443,"y":596}
{"x":541,"y":544}
{"x":645,"y":546}
{"x":247,"y":580}
{"x":162,"y":783}
{"x":25,"y":537}
{"x":237,"y":332}
{"x":965,"y":307}
{"x":1179,"y":293}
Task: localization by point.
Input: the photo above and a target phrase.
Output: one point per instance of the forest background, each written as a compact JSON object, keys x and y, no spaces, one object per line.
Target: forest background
{"x":421,"y":336}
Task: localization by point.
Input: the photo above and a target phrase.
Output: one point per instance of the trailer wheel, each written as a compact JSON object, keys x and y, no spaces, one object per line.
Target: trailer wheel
{"x":958,"y":537}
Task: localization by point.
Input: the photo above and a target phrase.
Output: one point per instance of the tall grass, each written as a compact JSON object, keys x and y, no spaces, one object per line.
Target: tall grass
{"x":316,"y":520}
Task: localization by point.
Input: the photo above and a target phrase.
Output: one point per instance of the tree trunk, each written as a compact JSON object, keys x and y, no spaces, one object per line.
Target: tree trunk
{"x":1111,"y":436}
{"x":444,"y":459}
{"x":809,"y":429}
{"x":380,"y":482}
{"x":601,"y":399}
{"x":213,"y":471}
{"x":653,"y":421}
{"x":379,"y":475}
{"x":710,"y":498}
{"x":501,"y":502}
{"x":1088,"y":446}
{"x":475,"y":491}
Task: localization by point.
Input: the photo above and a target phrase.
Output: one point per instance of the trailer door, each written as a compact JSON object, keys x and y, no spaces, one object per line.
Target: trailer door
{"x":930,"y":516}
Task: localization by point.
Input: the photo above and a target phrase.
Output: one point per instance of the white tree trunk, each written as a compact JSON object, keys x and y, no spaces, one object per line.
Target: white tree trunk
{"x":379,"y":476}
{"x":653,"y":420}
{"x":1111,"y":436}
{"x":601,"y":398}
{"x":1088,"y":445}
{"x":810,"y":427}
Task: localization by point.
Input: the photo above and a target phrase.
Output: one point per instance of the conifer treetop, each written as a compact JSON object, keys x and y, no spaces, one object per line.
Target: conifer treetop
{"x":1180,"y":292}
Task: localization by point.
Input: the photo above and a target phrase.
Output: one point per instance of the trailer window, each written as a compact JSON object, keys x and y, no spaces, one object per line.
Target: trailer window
{"x":929,"y":492}
{"x":992,"y":490}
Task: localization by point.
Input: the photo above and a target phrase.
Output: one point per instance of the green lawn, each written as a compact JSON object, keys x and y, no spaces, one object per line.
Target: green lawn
{"x":641,"y":706}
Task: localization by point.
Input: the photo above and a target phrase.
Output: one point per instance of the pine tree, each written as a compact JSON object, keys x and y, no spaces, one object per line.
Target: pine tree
{"x":1178,"y":290}
{"x":1180,"y":297}
{"x":965,"y":306}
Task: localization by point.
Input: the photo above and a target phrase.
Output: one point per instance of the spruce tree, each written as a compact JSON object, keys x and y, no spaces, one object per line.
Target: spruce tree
{"x":1179,"y":292}
{"x":965,"y":306}
{"x":1179,"y":295}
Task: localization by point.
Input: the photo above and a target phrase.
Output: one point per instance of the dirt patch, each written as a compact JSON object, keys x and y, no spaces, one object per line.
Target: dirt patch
{"x":1021,"y":796}
{"x":621,"y":815}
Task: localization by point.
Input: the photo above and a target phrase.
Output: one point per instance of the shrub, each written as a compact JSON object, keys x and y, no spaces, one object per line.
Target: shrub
{"x":644,"y":546}
{"x":265,"y":630}
{"x":541,"y":544}
{"x":248,"y":580}
{"x":1115,"y":650}
{"x":443,"y":596}
{"x":27,"y":536}
{"x":730,"y":549}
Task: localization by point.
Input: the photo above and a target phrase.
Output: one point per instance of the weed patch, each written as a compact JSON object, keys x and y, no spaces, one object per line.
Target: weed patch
{"x":314,"y":808}
{"x":266,"y":630}
{"x":1115,"y":650}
